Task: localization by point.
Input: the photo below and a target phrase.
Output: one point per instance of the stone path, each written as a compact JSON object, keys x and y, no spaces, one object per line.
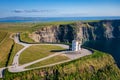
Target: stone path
{"x":73,"y":55}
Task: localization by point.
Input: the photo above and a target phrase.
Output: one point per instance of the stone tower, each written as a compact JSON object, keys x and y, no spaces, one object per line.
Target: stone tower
{"x":76,"y":45}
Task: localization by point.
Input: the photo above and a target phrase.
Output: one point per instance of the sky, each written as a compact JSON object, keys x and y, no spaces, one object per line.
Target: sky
{"x":59,"y":8}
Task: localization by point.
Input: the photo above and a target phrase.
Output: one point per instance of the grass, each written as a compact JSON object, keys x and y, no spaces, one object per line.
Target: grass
{"x":16,"y":27}
{"x":52,"y":60}
{"x":99,"y":66}
{"x":30,"y":27}
{"x":36,"y":52}
{"x":25,"y":37}
{"x":5,"y":48}
{"x":49,"y":24}
{"x":2,"y":36}
{"x":15,"y":49}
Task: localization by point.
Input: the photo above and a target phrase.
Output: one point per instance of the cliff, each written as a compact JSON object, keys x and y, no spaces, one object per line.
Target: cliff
{"x":98,"y":30}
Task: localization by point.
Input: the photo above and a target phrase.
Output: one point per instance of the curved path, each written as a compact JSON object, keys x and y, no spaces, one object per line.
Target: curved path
{"x":15,"y":65}
{"x":17,"y":40}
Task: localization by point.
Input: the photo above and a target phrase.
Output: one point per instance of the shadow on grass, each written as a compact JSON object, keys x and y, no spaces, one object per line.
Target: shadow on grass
{"x":59,"y":50}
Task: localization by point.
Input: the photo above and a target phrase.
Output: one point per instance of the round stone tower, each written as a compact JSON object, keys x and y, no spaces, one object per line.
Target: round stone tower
{"x":76,"y":45}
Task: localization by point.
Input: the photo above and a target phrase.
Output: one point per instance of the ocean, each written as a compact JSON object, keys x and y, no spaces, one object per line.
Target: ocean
{"x":109,"y":46}
{"x":52,"y":19}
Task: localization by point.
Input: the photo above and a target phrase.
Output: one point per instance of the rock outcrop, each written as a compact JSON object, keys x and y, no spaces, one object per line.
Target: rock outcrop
{"x":99,"y":30}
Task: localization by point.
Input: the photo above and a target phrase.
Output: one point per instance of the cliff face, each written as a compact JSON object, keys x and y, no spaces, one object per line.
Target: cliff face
{"x":59,"y":33}
{"x":80,"y":30}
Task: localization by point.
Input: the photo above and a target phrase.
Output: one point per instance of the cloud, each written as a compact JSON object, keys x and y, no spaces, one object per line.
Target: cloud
{"x":17,"y":11}
{"x":32,"y":11}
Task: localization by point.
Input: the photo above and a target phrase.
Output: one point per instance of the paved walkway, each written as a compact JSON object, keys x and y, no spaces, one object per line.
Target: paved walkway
{"x":73,"y":55}
{"x":15,"y":65}
{"x":1,"y":72}
{"x":22,"y":67}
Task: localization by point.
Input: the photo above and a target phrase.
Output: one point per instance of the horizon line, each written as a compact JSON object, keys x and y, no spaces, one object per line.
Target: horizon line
{"x":54,"y":16}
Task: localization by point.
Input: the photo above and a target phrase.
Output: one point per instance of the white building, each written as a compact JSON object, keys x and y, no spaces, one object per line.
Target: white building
{"x":76,"y":45}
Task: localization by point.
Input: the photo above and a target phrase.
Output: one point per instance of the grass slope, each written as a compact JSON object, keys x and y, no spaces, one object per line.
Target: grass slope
{"x":25,"y":37}
{"x":5,"y":48}
{"x":98,"y":66}
{"x":36,"y":52}
{"x":2,"y":36}
{"x":52,"y":60}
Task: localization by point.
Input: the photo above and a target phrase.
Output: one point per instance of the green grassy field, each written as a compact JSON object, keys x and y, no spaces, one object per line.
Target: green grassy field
{"x":36,"y":52}
{"x":2,"y":36}
{"x":30,"y":27}
{"x":25,"y":37}
{"x":98,"y":66}
{"x":16,"y":27}
{"x":5,"y":48}
{"x":52,"y":60}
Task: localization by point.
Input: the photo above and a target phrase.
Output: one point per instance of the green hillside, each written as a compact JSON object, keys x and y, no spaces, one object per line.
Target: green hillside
{"x":2,"y":36}
{"x":99,"y":66}
{"x":7,"y":49}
